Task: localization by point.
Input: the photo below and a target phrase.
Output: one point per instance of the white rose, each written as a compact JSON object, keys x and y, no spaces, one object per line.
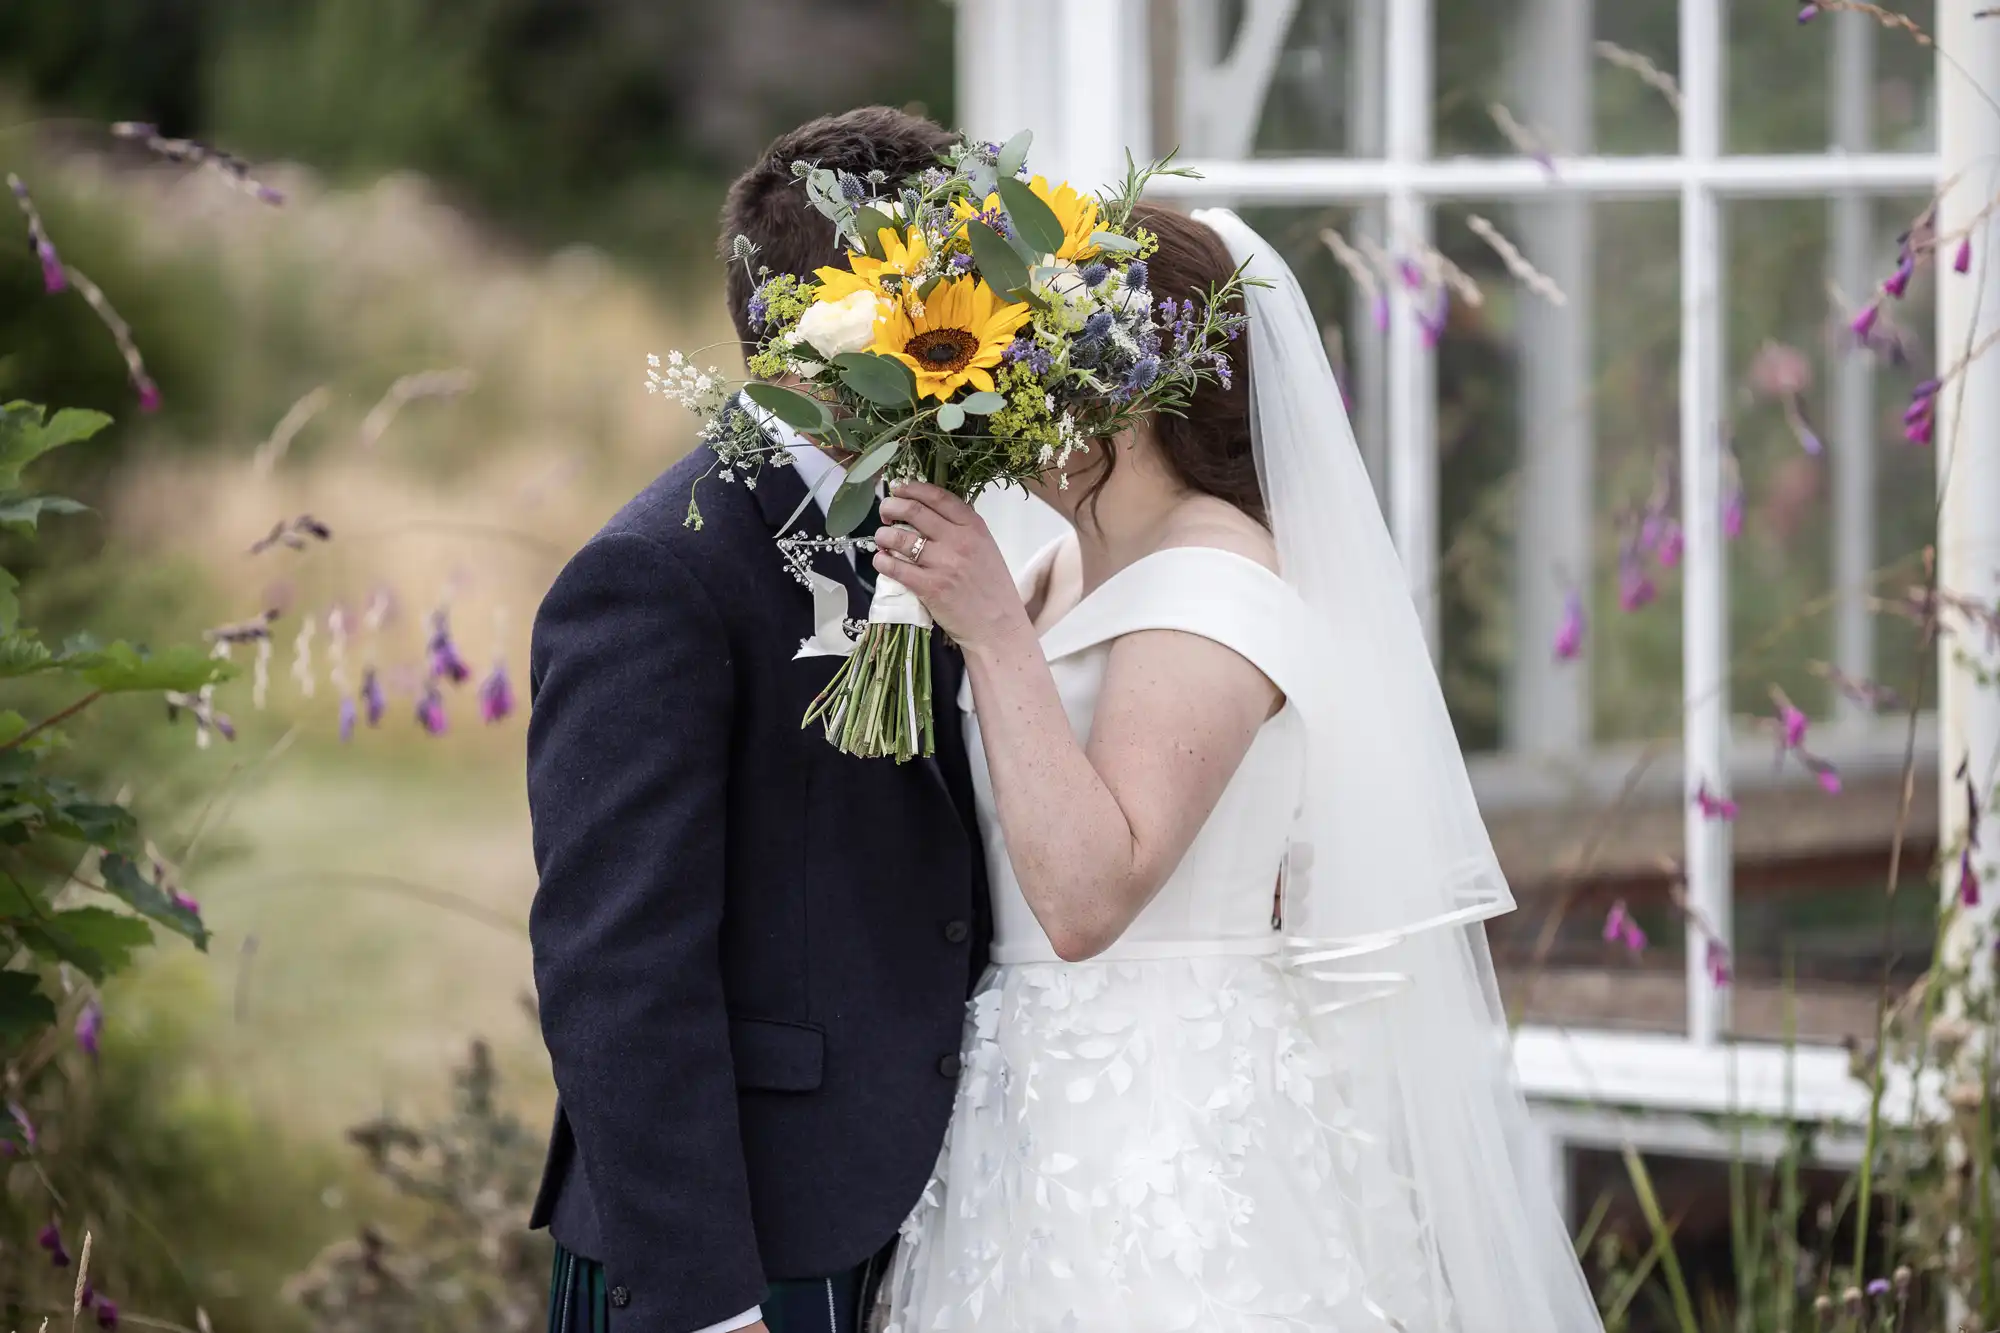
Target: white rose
{"x":1058,"y":280}
{"x":846,"y":325}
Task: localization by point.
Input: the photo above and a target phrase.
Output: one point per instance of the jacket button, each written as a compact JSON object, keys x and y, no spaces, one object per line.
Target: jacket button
{"x":956,"y":932}
{"x":950,"y":1066}
{"x":620,"y":1298}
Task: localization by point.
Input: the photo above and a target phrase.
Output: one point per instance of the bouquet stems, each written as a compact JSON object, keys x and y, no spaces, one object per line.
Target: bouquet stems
{"x":878,"y":705}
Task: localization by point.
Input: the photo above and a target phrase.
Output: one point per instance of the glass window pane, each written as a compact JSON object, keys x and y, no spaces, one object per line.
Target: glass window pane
{"x":1241,"y":78}
{"x":1845,"y":82}
{"x":1635,"y":46}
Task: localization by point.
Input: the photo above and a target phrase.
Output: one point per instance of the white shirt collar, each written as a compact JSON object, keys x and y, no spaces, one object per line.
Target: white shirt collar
{"x":813,"y":465}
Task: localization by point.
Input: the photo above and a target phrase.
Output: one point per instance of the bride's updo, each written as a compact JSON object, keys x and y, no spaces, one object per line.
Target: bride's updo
{"x":1208,"y":448}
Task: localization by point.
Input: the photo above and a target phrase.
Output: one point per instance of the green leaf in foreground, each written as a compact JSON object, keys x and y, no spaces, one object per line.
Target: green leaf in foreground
{"x":142,"y":895}
{"x":983,"y":403}
{"x":951,"y":416}
{"x":94,"y":940}
{"x":23,"y":513}
{"x":24,"y":1010}
{"x":882,"y":453}
{"x":25,"y":435}
{"x":869,"y":223}
{"x":851,"y":505}
{"x":1034,"y":221}
{"x":1111,"y":240}
{"x":880,"y":379}
{"x":801,"y":412}
{"x":121,"y":668}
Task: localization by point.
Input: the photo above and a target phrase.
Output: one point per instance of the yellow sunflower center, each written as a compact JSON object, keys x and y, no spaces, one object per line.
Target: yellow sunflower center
{"x":943,"y":350}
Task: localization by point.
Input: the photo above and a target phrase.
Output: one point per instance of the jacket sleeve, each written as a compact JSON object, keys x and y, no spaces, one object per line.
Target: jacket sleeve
{"x":628,"y":765}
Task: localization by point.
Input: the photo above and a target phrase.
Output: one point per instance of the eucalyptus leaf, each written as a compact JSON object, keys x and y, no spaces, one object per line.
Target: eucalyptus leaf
{"x":983,"y":180}
{"x":869,"y":223}
{"x":998,"y":264}
{"x":983,"y":403}
{"x":951,"y":416}
{"x":871,"y":463}
{"x":1111,"y":240}
{"x":880,"y":379}
{"x":1014,"y":153}
{"x":801,"y":412}
{"x":852,"y":504}
{"x":1034,"y":221}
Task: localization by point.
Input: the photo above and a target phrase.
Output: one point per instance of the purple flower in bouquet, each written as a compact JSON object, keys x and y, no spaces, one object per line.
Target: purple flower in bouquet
{"x":496,"y":695}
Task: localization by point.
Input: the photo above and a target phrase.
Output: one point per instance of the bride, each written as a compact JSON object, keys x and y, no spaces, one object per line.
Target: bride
{"x":1239,"y":1064}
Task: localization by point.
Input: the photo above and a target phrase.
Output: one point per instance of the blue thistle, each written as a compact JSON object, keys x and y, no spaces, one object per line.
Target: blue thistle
{"x":1094,"y":273}
{"x":1141,"y":376}
{"x":852,"y":189}
{"x":1098,"y":325}
{"x":1086,"y":352}
{"x":1135,"y":273}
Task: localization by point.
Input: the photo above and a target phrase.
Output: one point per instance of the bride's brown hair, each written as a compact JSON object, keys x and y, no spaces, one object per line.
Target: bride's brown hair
{"x":1207,"y":447}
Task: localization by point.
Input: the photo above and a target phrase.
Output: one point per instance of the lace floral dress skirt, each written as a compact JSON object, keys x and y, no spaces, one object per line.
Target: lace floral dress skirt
{"x":1145,"y":1146}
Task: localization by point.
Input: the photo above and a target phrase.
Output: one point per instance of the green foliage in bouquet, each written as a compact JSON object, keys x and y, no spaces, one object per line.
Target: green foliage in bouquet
{"x":984,"y":328}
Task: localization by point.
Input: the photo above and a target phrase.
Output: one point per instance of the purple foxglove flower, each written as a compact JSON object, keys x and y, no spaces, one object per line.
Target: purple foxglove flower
{"x":1672,"y":543}
{"x":496,"y":695}
{"x":1412,"y":275}
{"x":1621,"y":929}
{"x":1635,"y":586}
{"x":1379,"y":309}
{"x":349,"y":715}
{"x":1968,"y":879}
{"x":1864,"y":322}
{"x":51,"y":1240}
{"x":189,"y":905}
{"x":88,"y":1297}
{"x":1569,"y":634}
{"x":1718,"y":808}
{"x":107,"y":1314}
{"x":1716,"y":959}
{"x":28,"y":1136}
{"x":1898,"y":283}
{"x":1808,"y":13}
{"x":372,"y":697}
{"x":1435,"y":323}
{"x":430,"y":712}
{"x":1962,"y":261}
{"x":1792,"y":724}
{"x":1732,"y":513}
{"x":1827,"y":775}
{"x":149,"y":395}
{"x":89,"y":1027}
{"x":55,"y":280}
{"x":446,"y":664}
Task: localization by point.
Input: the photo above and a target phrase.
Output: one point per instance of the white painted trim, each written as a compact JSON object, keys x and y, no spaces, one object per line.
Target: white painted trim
{"x":1323,"y":180}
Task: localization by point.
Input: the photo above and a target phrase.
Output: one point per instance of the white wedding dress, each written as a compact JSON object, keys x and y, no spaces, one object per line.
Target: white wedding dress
{"x":1158,"y":1139}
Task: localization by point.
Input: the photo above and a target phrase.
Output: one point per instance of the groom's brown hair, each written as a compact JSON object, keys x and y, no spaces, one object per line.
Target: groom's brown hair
{"x":769,"y":206}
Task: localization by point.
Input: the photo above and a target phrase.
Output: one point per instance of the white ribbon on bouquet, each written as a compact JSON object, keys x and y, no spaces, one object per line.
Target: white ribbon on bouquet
{"x":894,"y":604}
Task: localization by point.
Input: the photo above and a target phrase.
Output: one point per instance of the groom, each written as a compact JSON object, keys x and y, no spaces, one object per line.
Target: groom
{"x":752,"y":951}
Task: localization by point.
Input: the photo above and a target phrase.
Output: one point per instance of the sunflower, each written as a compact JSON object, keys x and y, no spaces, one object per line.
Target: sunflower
{"x":955,"y":338}
{"x":1077,"y":213}
{"x":901,"y":256}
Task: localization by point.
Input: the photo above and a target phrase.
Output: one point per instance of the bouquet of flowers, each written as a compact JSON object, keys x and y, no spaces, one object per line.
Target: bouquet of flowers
{"x":984,"y":328}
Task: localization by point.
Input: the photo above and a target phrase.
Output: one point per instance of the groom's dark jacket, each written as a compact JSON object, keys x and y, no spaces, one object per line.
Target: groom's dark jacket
{"x":752,"y":951}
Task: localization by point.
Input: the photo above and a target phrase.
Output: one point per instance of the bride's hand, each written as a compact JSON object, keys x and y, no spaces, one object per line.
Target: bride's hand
{"x":957,"y":568}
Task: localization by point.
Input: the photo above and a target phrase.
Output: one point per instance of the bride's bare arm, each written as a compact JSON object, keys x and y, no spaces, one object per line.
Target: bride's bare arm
{"x":1093,"y":830}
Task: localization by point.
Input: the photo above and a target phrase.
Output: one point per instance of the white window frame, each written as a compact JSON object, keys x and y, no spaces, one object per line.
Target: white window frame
{"x":1041,"y":64}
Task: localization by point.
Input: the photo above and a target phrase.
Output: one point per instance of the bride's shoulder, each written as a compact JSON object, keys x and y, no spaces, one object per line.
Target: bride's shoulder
{"x":1205,"y":521}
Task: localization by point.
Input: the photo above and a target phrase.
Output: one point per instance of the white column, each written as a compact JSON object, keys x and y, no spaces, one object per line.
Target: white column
{"x":1548,"y":702}
{"x":1101,"y":53}
{"x":1413,"y":484}
{"x":1968,"y":442}
{"x":1705,"y":609}
{"x":1851,"y":397}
